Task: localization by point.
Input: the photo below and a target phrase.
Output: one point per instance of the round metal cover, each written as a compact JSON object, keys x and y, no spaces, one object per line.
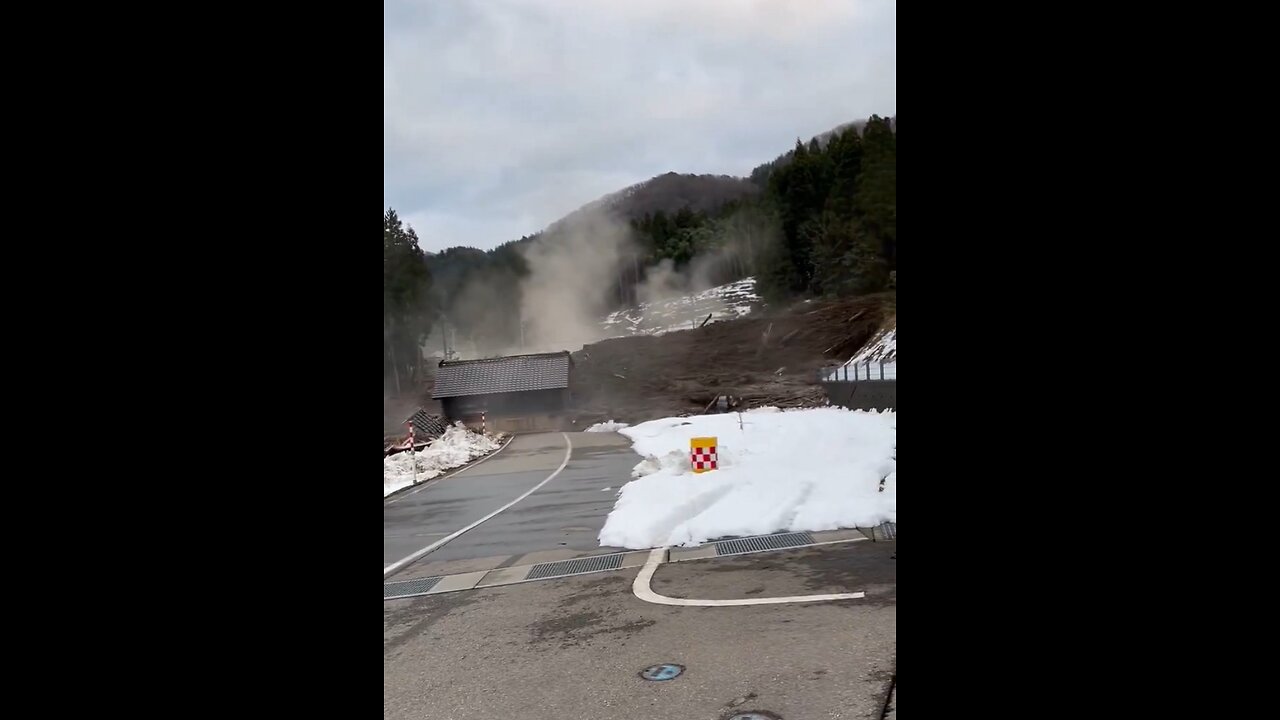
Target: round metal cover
{"x":755,"y":715}
{"x":665,"y":671}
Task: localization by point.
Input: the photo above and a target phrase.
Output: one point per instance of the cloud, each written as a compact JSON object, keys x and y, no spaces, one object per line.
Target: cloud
{"x":500,"y":116}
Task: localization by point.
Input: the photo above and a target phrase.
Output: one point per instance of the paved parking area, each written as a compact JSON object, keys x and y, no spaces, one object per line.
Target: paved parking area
{"x":574,"y":647}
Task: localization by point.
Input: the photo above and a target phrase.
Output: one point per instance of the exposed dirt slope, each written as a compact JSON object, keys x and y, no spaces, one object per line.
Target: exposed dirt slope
{"x":768,"y":360}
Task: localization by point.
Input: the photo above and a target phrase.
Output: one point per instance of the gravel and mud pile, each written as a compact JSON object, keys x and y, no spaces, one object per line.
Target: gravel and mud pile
{"x":772,"y":359}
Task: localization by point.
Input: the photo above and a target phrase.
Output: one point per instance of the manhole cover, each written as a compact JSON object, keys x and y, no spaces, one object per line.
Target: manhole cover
{"x":666,"y":671}
{"x":755,"y":715}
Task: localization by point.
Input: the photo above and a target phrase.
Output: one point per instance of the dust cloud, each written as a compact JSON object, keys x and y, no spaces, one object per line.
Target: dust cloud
{"x":577,"y":272}
{"x":573,"y":269}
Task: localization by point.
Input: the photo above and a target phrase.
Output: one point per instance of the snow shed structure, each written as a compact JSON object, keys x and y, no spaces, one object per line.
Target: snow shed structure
{"x":519,"y":393}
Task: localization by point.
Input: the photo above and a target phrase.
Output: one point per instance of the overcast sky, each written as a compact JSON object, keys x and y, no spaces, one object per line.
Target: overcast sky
{"x":501,"y":116}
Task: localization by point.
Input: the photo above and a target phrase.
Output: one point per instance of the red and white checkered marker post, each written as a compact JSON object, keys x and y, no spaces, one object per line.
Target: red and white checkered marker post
{"x":412,"y":460}
{"x":702,"y":454}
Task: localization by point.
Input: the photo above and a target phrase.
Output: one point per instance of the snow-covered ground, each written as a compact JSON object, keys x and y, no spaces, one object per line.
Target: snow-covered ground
{"x":724,"y":302}
{"x":812,"y":469}
{"x":882,"y":347}
{"x":609,"y":426}
{"x":458,"y":446}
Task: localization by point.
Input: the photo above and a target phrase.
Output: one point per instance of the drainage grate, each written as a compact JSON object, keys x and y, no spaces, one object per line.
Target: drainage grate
{"x":889,"y":530}
{"x":763,"y":542}
{"x":408,"y":588}
{"x":595,"y":563}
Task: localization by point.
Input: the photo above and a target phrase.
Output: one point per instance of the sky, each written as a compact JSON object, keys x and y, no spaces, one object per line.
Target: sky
{"x":502,"y":116}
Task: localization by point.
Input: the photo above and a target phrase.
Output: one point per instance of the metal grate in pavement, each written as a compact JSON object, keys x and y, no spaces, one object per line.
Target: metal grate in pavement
{"x":408,"y":588}
{"x":595,"y":563}
{"x":763,"y":542}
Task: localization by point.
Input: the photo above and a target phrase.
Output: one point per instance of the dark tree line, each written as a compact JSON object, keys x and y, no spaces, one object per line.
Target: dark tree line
{"x":408,"y":308}
{"x":825,"y":225}
{"x":478,"y":292}
{"x":837,"y":207}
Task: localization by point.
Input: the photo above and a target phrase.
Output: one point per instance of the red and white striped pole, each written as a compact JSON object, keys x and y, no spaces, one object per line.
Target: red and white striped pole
{"x":482,"y":425}
{"x":411,"y":458}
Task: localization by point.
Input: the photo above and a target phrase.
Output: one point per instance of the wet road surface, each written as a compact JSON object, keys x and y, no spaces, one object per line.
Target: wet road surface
{"x":565,"y":514}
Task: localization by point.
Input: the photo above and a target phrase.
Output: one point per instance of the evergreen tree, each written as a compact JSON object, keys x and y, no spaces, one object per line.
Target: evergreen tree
{"x":845,"y":151}
{"x":877,"y":187}
{"x":407,"y":307}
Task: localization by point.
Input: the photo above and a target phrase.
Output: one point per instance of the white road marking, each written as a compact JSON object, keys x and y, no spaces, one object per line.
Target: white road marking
{"x":568,"y":449}
{"x":642,"y":590}
{"x":424,"y":484}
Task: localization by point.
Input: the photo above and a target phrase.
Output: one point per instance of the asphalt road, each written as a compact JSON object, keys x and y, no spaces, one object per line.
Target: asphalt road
{"x":565,"y":514}
{"x":574,"y":647}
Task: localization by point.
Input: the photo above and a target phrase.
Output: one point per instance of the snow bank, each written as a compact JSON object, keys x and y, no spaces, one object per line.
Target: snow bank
{"x":884,"y":346}
{"x":610,"y":426}
{"x":792,"y":470}
{"x":456,"y":447}
{"x":723,"y":302}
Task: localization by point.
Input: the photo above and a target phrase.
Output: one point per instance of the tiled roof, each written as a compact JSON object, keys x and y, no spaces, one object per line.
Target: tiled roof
{"x":548,"y":371}
{"x":428,"y":426}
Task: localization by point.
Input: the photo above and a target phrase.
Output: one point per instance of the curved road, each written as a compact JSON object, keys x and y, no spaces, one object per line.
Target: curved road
{"x":566,"y":513}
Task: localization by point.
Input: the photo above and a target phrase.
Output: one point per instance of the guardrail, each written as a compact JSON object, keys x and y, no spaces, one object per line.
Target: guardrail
{"x":869,"y":370}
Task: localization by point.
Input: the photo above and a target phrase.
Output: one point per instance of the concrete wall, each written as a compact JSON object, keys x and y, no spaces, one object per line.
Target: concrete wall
{"x":533,"y":402}
{"x":528,"y":423}
{"x":531,"y":411}
{"x":864,"y":395}
{"x":515,"y":424}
